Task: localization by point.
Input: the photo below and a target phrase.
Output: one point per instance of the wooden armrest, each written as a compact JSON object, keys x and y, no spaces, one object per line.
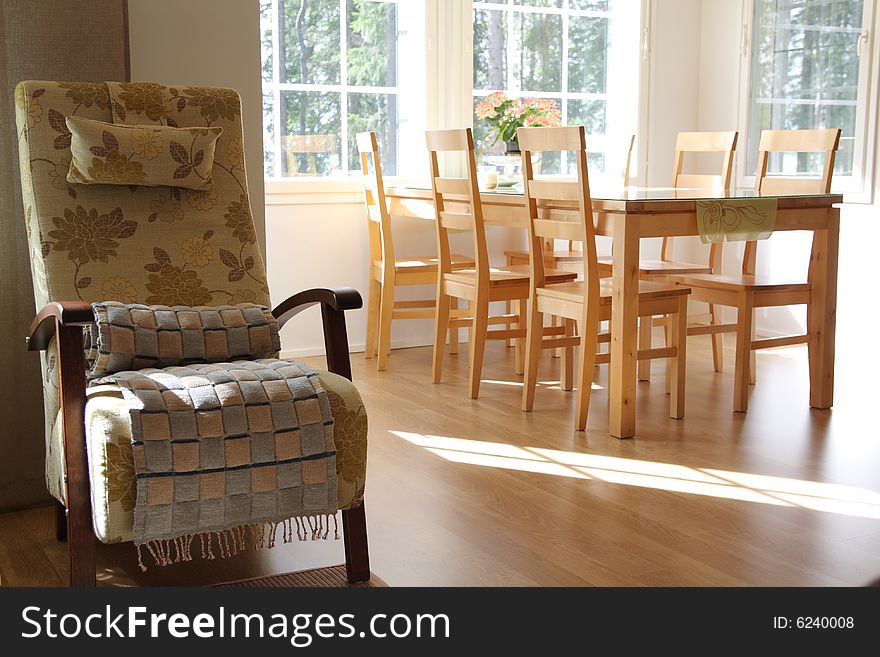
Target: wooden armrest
{"x":57,"y":314}
{"x":334,"y":303}
{"x":340,"y":298}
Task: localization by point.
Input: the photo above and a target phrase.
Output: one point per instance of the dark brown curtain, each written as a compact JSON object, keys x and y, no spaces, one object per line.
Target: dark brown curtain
{"x":84,"y":40}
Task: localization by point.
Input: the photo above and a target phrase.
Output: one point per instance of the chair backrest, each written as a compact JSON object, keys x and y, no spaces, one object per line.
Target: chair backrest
{"x":559,"y":209}
{"x":702,"y":142}
{"x":457,"y":200}
{"x":136,"y":244}
{"x":824,"y":140}
{"x":621,"y":147}
{"x":381,"y":239}
{"x":625,"y":173}
{"x":307,"y":147}
{"x":798,"y":141}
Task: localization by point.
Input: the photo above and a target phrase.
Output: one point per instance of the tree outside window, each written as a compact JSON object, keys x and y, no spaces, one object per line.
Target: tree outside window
{"x":805,"y":73}
{"x":330,"y":70}
{"x":557,"y":49}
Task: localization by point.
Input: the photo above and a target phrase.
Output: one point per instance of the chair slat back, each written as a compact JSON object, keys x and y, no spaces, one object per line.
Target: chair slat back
{"x":625,"y":173}
{"x":798,"y":141}
{"x":704,"y":142}
{"x":824,"y":140}
{"x":309,"y":146}
{"x":381,"y":238}
{"x":457,"y":200}
{"x":551,"y":224}
{"x":723,"y":142}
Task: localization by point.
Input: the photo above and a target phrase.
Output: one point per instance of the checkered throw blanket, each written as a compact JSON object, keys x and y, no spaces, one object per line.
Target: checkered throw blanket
{"x":133,"y":336}
{"x":227,"y":452}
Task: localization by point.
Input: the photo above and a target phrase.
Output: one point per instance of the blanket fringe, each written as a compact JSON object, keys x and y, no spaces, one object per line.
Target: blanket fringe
{"x":225,"y":543}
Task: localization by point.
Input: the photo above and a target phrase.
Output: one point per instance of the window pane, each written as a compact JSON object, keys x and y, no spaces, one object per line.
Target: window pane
{"x":266,"y":21}
{"x":490,"y":50}
{"x":539,"y":51}
{"x":595,"y":164}
{"x":805,"y":71}
{"x":310,"y":141}
{"x":587,"y":54}
{"x":269,"y":134}
{"x":373,"y":112}
{"x":372,"y":43}
{"x":309,"y":41}
{"x":588,"y":113}
{"x":589,"y":5}
{"x":539,"y":3}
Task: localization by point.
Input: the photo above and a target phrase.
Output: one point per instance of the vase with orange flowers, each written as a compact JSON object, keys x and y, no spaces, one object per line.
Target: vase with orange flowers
{"x":505,"y":115}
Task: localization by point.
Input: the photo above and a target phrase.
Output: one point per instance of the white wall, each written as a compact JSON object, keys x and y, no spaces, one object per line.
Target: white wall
{"x":673,"y":101}
{"x":206,"y":42}
{"x":673,"y":91}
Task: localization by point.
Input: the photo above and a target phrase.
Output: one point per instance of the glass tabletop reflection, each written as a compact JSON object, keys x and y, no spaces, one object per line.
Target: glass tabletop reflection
{"x":619,"y":192}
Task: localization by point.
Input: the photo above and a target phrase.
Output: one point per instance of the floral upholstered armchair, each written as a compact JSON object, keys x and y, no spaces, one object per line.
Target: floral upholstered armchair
{"x":136,"y":193}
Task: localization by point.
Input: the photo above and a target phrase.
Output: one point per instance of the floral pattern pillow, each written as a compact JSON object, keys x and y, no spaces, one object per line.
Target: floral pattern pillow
{"x":150,"y":155}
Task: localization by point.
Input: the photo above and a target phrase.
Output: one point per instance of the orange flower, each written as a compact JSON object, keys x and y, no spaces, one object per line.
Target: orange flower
{"x":507,"y":114}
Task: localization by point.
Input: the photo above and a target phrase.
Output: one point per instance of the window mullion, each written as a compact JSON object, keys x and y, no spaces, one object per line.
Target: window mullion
{"x":276,"y":90}
{"x":343,"y":63}
{"x":511,"y":49}
{"x":563,"y":101}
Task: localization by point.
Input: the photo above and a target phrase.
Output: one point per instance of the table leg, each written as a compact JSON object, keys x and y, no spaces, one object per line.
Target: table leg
{"x":822,"y":311}
{"x":624,"y":327}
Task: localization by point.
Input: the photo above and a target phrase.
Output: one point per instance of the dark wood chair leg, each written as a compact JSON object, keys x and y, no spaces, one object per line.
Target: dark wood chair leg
{"x":357,"y":556}
{"x":60,"y":522}
{"x":80,"y":531}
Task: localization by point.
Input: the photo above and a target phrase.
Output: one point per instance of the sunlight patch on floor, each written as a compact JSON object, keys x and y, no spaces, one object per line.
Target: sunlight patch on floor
{"x":741,"y":486}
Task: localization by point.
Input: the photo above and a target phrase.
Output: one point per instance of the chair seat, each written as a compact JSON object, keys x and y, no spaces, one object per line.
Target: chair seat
{"x":427,"y":264}
{"x":741,"y":282}
{"x":111,"y":469}
{"x":648,"y":290}
{"x":561,"y":255}
{"x":660,"y":267}
{"x":510,"y":275}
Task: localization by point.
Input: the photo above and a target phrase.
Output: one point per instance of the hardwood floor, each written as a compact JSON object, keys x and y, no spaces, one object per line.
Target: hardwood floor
{"x":463,"y":492}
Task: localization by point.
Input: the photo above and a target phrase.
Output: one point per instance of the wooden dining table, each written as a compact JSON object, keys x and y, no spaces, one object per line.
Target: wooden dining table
{"x":628,"y":214}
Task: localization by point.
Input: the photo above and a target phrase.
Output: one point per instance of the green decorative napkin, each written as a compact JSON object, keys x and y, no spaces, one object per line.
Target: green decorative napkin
{"x":736,"y":220}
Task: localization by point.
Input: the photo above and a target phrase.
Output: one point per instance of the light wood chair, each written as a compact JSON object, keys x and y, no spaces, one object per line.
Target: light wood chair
{"x":387,"y":272}
{"x":565,"y":254}
{"x":653,"y":270}
{"x":749,"y":290}
{"x":311,"y":146}
{"x":458,"y":207}
{"x":586,"y":302}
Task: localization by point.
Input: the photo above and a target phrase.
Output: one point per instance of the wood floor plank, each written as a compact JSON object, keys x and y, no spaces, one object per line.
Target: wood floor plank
{"x":22,"y":561}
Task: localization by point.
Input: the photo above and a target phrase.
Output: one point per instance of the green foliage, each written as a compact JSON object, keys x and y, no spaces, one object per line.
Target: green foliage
{"x":310,"y":53}
{"x":795,"y":59}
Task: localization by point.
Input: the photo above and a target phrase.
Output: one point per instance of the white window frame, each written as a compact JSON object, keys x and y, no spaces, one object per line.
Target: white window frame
{"x":859,"y":187}
{"x":446,"y":91}
{"x":345,"y":182}
{"x":599,"y":144}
